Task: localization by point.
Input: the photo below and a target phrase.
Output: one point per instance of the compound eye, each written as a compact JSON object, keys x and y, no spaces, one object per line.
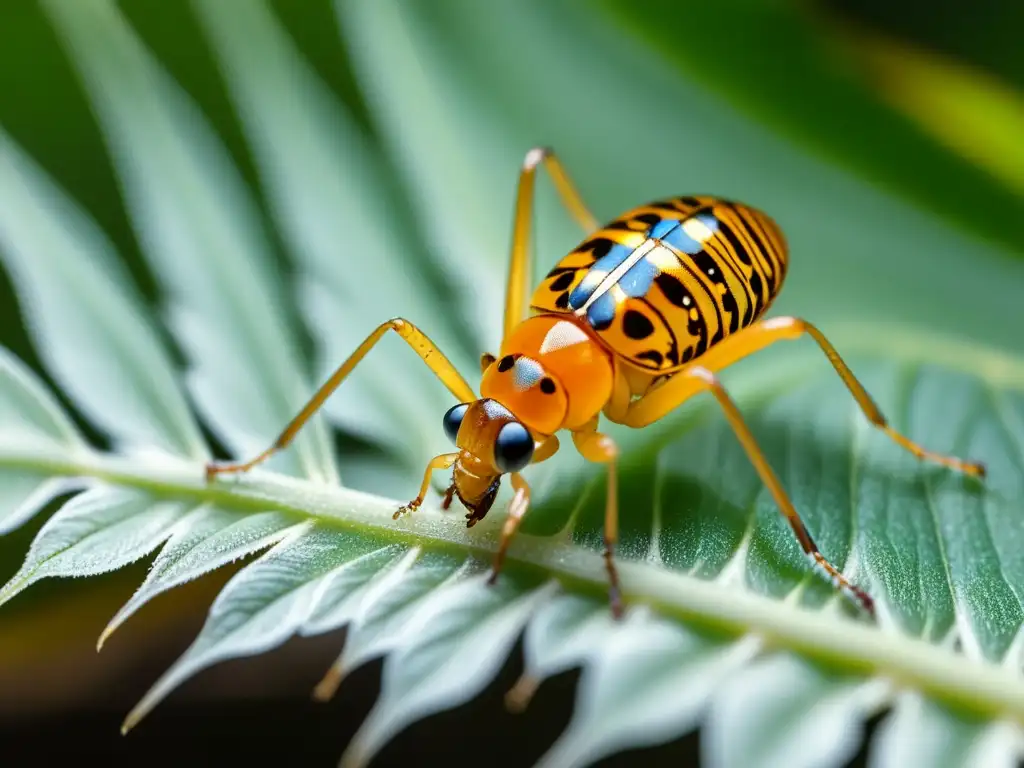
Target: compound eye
{"x":513,"y":449}
{"x":453,"y":420}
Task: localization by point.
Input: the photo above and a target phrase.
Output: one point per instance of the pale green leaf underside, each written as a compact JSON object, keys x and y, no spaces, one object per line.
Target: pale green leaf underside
{"x":349,"y":563}
{"x":201,"y":236}
{"x":91,"y":325}
{"x":728,"y":628}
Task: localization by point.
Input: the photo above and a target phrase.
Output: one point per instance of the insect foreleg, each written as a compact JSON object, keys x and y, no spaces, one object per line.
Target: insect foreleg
{"x":416,"y":339}
{"x":444,"y":461}
{"x":519,"y":504}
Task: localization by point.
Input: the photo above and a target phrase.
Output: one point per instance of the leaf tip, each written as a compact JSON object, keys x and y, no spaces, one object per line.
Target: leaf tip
{"x":130,"y":722}
{"x":135,"y":716}
{"x":519,"y":695}
{"x":328,"y":686}
{"x":13,"y":587}
{"x":114,"y":624}
{"x":107,"y":632}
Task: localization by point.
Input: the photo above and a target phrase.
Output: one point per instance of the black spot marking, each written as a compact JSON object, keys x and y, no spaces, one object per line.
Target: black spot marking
{"x":562,"y":302}
{"x":688,"y":354}
{"x":598,"y":247}
{"x":650,"y":219}
{"x":672,"y":356}
{"x":559,"y":270}
{"x":673,"y":289}
{"x":652,"y":355}
{"x":547,"y":386}
{"x":625,"y":225}
{"x":755,"y":285}
{"x":562,"y":282}
{"x":636,"y":325}
{"x":505,"y":363}
{"x":670,"y":203}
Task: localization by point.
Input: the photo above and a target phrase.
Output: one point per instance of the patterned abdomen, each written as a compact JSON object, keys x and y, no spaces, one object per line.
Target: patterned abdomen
{"x":665,"y":281}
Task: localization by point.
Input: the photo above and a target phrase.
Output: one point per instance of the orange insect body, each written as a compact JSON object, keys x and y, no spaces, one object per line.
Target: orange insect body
{"x":633,"y":322}
{"x":580,"y":369}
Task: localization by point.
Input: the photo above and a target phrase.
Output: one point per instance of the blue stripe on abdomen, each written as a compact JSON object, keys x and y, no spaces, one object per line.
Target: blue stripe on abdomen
{"x":599,"y":271}
{"x":601,"y":313}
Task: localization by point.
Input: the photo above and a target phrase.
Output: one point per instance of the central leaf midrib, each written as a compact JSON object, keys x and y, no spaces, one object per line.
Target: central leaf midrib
{"x":979,"y":687}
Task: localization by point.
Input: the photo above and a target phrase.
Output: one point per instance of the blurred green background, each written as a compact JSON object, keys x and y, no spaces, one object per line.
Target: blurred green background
{"x":921,"y":100}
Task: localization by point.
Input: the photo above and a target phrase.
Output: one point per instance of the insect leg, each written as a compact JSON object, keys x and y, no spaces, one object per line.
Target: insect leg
{"x":664,"y":398}
{"x":597,"y":447}
{"x":444,"y":461}
{"x":485,"y":361}
{"x":793,"y":327}
{"x":416,"y":339}
{"x":519,"y":504}
{"x":516,"y":509}
{"x":520,"y":261}
{"x":703,"y":379}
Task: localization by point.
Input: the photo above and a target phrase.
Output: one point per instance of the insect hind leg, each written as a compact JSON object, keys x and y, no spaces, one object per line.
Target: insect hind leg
{"x":702,"y":379}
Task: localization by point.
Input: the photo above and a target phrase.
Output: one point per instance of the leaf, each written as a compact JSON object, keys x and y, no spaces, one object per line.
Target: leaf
{"x":98,"y":531}
{"x":305,"y":582}
{"x":775,"y":62}
{"x":89,"y":323}
{"x":203,"y":541}
{"x":452,"y":647}
{"x":728,"y":628}
{"x":650,"y":681}
{"x":976,"y":115}
{"x":460,"y":156}
{"x":814,"y":720}
{"x":382,"y":610}
{"x":330,"y":222}
{"x":463,"y":216}
{"x":564,"y":632}
{"x":201,"y":236}
{"x":264,"y":604}
{"x":926,"y":734}
{"x":29,"y":416}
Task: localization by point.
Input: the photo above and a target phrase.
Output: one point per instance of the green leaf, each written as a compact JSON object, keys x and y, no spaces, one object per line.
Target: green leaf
{"x":98,"y":531}
{"x":85,"y":317}
{"x":650,"y":680}
{"x":780,"y":64}
{"x":202,"y":237}
{"x":376,"y":615}
{"x":452,"y":646}
{"x":728,"y":628}
{"x":814,"y":719}
{"x":29,"y":416}
{"x":918,"y":732}
{"x":203,"y":541}
{"x":264,"y":604}
{"x":859,"y":256}
{"x":979,"y":116}
{"x":28,"y":411}
{"x":330,"y":222}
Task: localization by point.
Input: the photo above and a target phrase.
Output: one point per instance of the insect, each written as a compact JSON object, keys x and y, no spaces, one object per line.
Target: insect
{"x":636,"y":320}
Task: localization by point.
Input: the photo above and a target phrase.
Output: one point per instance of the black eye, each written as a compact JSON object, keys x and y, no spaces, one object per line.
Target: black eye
{"x":453,"y":420}
{"x":514,"y":447}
